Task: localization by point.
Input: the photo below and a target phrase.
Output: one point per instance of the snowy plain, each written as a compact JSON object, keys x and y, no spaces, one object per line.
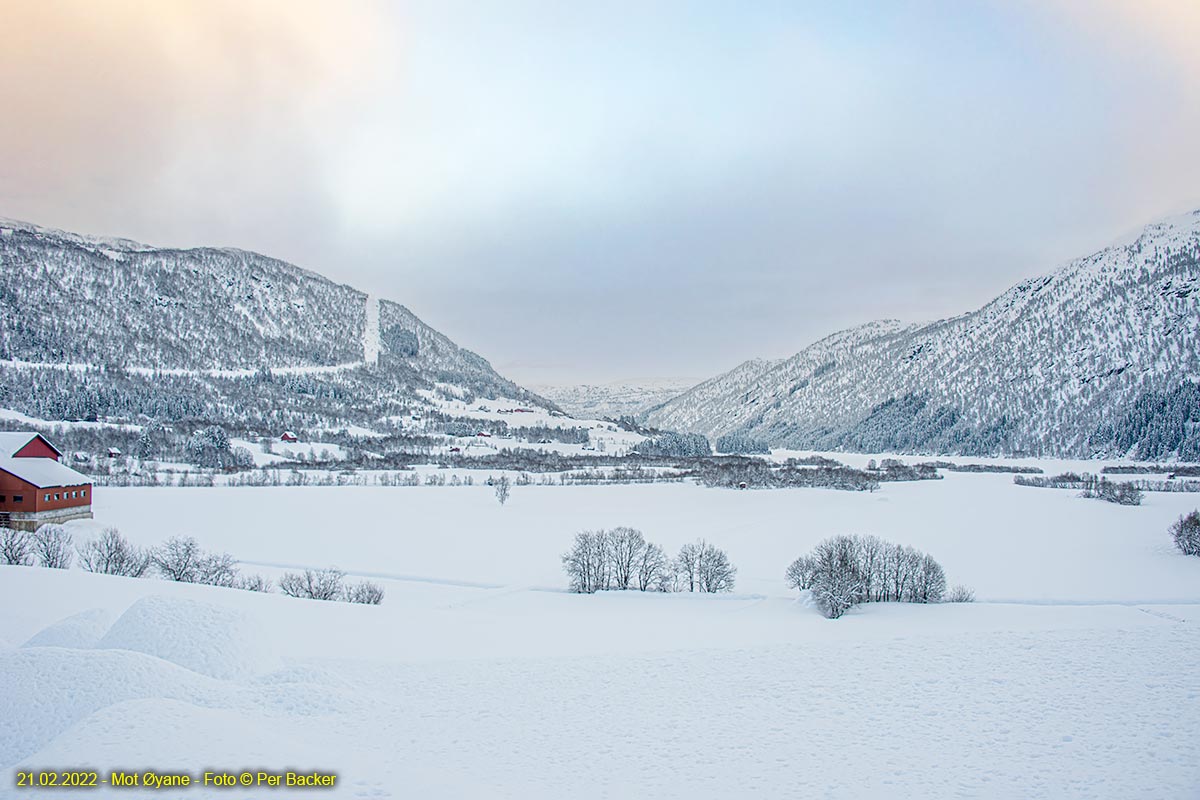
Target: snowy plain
{"x":1077,"y":674}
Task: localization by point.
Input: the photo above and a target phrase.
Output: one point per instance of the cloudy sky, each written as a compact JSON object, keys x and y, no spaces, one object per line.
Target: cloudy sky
{"x":594,"y":192}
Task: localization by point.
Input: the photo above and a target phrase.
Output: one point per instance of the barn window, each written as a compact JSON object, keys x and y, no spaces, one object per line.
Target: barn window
{"x":74,"y":494}
{"x":18,"y":498}
{"x":1,"y":498}
{"x":83,"y":493}
{"x":47,"y":497}
{"x":56,"y":497}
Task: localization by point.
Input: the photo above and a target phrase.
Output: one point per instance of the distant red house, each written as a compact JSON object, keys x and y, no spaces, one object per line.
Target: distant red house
{"x":288,"y":436}
{"x":35,"y":488}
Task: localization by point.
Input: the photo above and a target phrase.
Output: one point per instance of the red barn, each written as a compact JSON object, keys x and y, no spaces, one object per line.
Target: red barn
{"x":35,"y":488}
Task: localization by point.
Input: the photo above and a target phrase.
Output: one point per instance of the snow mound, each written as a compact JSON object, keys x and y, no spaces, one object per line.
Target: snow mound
{"x":82,"y":630}
{"x":204,"y":638}
{"x":50,"y":689}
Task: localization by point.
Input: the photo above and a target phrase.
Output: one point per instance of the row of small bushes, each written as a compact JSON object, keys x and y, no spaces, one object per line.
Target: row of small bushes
{"x":178,"y":559}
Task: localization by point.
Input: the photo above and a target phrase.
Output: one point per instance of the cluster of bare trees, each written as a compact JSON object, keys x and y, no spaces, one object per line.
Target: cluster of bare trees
{"x":329,"y":584}
{"x":844,"y":571}
{"x":621,"y":558}
{"x":1126,"y":493}
{"x":49,"y":546}
{"x":178,"y":559}
{"x":1186,"y":533}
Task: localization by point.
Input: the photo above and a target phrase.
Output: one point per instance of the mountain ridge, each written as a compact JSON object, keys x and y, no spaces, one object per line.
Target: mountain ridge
{"x":91,"y":315}
{"x":1041,"y":369}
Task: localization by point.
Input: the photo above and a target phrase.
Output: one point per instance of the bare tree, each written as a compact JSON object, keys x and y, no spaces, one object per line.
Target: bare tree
{"x":364,"y":592}
{"x":316,"y":584}
{"x":624,"y":547}
{"x":686,"y":565}
{"x":16,"y":547}
{"x":217,"y":569}
{"x":53,"y":547}
{"x":715,"y":573}
{"x":587,"y":562}
{"x":503,"y":488}
{"x":704,"y":568}
{"x":844,"y":571}
{"x":800,"y":573}
{"x":252,"y":583}
{"x":112,"y":554}
{"x":930,"y":583}
{"x":654,"y":570}
{"x":837,"y":583}
{"x":871,"y":557}
{"x":1186,"y":533}
{"x":178,"y":559}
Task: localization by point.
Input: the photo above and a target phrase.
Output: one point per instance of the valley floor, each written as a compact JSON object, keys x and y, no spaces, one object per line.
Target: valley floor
{"x":1077,"y":675}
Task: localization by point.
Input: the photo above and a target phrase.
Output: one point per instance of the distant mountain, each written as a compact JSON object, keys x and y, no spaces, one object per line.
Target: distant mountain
{"x":108,"y":326}
{"x":612,"y":400}
{"x":1101,"y":357}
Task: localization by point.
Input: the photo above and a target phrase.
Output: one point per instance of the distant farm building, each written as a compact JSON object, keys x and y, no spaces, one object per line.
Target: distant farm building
{"x":289,"y":436}
{"x":35,"y":488}
{"x":114,"y":452}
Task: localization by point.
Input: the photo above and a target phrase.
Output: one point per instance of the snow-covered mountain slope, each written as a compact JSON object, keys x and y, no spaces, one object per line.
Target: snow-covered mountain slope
{"x":103,"y":312}
{"x":613,"y":400}
{"x":1098,"y":357}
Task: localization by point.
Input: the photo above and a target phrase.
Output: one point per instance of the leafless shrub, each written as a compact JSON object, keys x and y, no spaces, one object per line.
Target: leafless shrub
{"x":315,"y":584}
{"x":16,"y":547}
{"x":52,"y":545}
{"x":182,"y":559}
{"x":112,"y":554}
{"x":364,"y":592}
{"x":503,"y":488}
{"x":960,"y":594}
{"x":218,"y":569}
{"x":252,"y":583}
{"x":1186,"y":533}
{"x":800,"y":573}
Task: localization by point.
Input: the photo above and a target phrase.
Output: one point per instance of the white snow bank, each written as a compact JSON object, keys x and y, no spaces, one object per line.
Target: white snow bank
{"x":49,"y":689}
{"x":212,"y":640}
{"x":80,"y":630}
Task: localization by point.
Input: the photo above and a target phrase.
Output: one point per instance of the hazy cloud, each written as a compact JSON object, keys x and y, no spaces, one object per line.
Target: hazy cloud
{"x":590,"y":193}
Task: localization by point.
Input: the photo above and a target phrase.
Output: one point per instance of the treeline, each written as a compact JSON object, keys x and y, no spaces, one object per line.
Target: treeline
{"x":675,"y":445}
{"x":990,"y":468}
{"x":179,"y":559}
{"x":1171,"y":470}
{"x":754,"y":473}
{"x":741,"y":443}
{"x":1157,"y":425}
{"x":1127,"y":493}
{"x":622,"y":559}
{"x":847,"y":570}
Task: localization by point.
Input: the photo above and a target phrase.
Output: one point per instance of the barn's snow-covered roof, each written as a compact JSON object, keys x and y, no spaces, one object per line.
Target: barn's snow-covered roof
{"x":12,"y":441}
{"x":43,"y":473}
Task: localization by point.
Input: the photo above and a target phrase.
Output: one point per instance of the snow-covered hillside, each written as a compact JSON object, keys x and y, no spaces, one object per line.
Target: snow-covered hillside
{"x":1098,"y":357}
{"x":94,"y":326}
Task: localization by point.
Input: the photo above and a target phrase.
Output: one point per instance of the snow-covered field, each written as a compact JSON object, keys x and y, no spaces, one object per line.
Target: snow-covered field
{"x":1077,"y":675}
